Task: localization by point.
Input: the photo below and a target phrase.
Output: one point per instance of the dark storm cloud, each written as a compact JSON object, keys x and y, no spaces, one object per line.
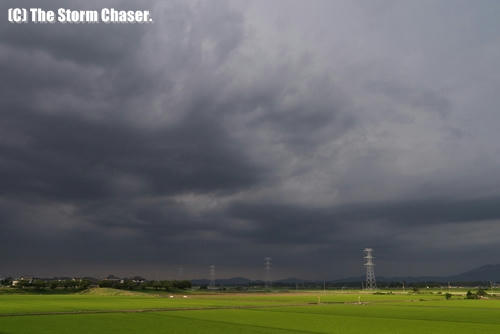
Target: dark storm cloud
{"x":70,"y":42}
{"x":115,"y":45}
{"x":66,"y":157}
{"x":63,"y":153}
{"x":277,"y":223}
{"x":228,"y":131}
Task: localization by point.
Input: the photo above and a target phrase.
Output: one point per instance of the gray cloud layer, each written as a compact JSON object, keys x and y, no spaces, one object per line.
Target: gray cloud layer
{"x":228,"y":131}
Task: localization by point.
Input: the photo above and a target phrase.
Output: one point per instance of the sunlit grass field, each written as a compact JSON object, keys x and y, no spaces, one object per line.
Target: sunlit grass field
{"x":111,"y":311}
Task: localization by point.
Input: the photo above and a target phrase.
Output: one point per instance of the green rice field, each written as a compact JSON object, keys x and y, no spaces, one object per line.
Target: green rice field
{"x":112,"y":311}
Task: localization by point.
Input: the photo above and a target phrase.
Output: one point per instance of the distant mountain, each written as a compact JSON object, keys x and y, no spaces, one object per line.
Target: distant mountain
{"x":290,"y":280}
{"x":234,"y":281}
{"x":489,"y":272}
{"x":486,"y":273}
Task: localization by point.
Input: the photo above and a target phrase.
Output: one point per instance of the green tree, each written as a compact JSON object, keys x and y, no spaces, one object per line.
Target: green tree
{"x":39,"y":284}
{"x":157,"y":285}
{"x":471,"y":295}
{"x":481,"y":292}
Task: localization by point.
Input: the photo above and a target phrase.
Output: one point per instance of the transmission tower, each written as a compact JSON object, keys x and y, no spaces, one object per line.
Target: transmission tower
{"x":370,"y":269}
{"x":267,"y":265}
{"x":180,"y":273}
{"x":212,"y":276}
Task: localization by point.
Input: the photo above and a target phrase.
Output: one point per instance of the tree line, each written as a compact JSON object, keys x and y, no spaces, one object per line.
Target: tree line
{"x":83,"y":284}
{"x":143,"y":285}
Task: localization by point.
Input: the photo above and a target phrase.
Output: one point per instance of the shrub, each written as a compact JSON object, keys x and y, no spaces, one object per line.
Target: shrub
{"x":481,"y":292}
{"x":471,"y":295}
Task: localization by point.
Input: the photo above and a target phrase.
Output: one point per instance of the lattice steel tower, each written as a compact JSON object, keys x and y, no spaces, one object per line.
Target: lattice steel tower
{"x":370,"y":269}
{"x":267,"y":265}
{"x":180,"y":273}
{"x":212,"y":276}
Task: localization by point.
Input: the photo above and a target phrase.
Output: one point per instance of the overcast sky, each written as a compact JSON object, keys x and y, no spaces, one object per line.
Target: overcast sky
{"x":228,"y":131}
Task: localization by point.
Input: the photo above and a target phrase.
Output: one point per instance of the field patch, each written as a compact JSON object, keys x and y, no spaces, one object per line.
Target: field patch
{"x":246,"y":313}
{"x":112,"y":292}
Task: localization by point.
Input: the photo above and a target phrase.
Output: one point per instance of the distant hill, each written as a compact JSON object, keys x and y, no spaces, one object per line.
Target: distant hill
{"x":489,"y":272}
{"x":486,"y":273}
{"x":291,"y":280}
{"x":235,"y":281}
